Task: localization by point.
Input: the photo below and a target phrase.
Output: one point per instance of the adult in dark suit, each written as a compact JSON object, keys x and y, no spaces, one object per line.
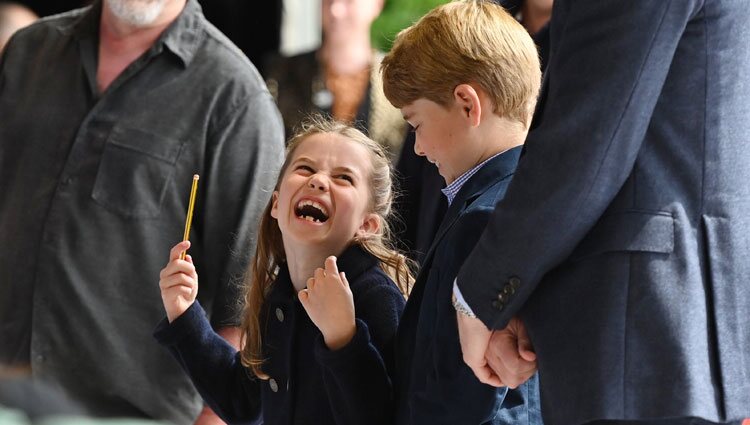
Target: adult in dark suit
{"x":622,"y":240}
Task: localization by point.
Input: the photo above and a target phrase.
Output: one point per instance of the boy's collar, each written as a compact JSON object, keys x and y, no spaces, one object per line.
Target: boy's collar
{"x":451,"y":190}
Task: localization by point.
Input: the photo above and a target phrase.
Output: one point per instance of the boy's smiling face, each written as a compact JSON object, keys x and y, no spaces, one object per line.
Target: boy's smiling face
{"x":440,"y":136}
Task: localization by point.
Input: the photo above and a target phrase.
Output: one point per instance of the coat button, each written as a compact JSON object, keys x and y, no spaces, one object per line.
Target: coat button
{"x":497,"y":305}
{"x":280,"y":314}
{"x":502,"y":298}
{"x":514,"y":282}
{"x":274,"y":386}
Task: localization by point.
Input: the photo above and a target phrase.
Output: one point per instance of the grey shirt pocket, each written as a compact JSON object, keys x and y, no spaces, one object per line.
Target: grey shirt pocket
{"x":134,"y":172}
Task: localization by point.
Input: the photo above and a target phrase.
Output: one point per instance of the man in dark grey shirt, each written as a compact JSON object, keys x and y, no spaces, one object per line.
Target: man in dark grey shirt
{"x":105,"y":115}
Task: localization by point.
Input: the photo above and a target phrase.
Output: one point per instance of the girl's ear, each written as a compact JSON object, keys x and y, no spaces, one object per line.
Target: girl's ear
{"x":275,"y":204}
{"x":466,"y":97}
{"x":369,"y":227}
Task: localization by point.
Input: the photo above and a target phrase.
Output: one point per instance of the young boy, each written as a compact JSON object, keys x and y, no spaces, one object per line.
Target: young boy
{"x":466,"y":77}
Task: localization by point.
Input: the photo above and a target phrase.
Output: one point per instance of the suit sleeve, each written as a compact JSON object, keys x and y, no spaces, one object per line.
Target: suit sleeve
{"x":610,"y":61}
{"x":358,"y":376}
{"x":213,"y":365}
{"x":241,"y":166}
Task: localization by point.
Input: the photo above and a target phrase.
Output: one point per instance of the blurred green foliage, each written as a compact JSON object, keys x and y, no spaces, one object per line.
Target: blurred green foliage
{"x":397,"y":15}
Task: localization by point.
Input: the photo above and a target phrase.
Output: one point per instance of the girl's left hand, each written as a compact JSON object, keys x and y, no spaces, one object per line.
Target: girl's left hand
{"x":330,"y":305}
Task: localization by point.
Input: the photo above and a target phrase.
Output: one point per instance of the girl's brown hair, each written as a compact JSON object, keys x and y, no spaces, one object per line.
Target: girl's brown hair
{"x":269,"y":254}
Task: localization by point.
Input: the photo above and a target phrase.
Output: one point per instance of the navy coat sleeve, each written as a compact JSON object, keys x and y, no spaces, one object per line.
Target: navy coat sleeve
{"x":609,"y":61}
{"x":357,"y":377}
{"x":213,"y":365}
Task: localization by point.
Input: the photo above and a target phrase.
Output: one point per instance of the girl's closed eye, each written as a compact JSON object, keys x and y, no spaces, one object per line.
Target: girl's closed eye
{"x":304,"y":169}
{"x":346,"y":177}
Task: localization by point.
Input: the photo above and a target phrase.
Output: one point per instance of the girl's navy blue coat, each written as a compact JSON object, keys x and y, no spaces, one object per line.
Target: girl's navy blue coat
{"x":308,"y":384}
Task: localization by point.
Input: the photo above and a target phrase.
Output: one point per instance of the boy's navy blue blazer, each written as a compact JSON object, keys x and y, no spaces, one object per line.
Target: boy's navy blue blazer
{"x":434,"y":386}
{"x":308,"y":384}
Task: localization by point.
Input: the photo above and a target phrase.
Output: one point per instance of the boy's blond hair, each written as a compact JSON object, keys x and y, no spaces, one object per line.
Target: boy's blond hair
{"x":465,"y":41}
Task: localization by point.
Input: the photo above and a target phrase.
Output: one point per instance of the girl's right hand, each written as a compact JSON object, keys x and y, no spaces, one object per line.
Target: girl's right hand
{"x":178,"y":282}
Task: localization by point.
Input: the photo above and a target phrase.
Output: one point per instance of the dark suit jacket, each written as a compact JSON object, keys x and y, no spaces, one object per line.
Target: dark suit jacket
{"x":623,"y":238}
{"x":308,"y":384}
{"x":434,"y":385}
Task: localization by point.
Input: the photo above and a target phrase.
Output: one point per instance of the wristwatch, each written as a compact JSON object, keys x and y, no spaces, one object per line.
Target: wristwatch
{"x":460,"y":308}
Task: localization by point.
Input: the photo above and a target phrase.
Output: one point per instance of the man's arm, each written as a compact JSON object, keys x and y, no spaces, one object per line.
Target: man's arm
{"x":603,"y":81}
{"x":242,"y":163}
{"x":610,"y":62}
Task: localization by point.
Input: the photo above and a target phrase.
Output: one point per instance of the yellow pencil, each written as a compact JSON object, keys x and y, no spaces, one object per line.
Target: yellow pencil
{"x":189,"y":218}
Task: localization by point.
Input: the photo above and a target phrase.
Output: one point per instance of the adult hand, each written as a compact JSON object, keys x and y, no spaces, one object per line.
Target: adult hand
{"x":510,"y":354}
{"x":475,"y":338}
{"x":178,"y":282}
{"x":330,"y":305}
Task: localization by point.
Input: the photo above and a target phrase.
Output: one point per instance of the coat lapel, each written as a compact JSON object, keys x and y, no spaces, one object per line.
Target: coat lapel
{"x":495,"y":170}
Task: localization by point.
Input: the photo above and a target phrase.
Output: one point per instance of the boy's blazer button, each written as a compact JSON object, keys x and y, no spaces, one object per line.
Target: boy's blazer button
{"x":502,"y":297}
{"x":497,"y":305}
{"x":514,"y":282}
{"x":508,"y":290}
{"x":280,"y":314}
{"x":274,"y":386}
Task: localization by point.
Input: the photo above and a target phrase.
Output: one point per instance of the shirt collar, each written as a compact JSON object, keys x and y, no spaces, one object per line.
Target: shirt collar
{"x":182,"y":37}
{"x":451,"y":190}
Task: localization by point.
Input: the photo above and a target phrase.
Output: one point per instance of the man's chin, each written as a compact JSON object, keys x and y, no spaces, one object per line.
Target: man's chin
{"x":137,"y":13}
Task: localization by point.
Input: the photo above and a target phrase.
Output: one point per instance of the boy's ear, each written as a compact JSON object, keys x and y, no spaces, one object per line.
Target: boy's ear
{"x":467,"y":98}
{"x":275,"y":204}
{"x":370,"y":226}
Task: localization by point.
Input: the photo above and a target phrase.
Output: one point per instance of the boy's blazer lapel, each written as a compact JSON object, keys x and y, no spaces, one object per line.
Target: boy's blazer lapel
{"x":495,"y":170}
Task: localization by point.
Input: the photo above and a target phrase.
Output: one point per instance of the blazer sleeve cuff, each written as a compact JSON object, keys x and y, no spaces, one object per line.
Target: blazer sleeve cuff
{"x":351,"y":351}
{"x":193,"y":321}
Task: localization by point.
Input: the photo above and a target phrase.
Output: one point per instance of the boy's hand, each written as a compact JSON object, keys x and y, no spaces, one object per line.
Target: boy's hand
{"x":330,"y":305}
{"x":178,"y":282}
{"x":475,"y":338}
